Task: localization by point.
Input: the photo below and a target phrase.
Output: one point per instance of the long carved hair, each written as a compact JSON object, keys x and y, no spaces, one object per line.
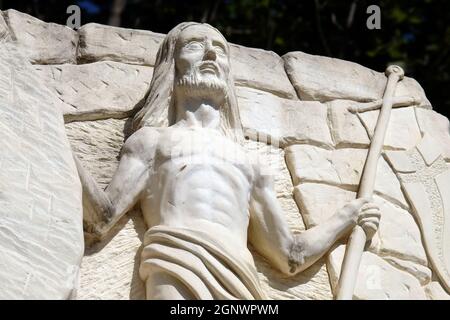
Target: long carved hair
{"x":159,"y":108}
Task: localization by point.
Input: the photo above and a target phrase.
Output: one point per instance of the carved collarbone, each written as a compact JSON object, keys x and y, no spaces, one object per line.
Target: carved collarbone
{"x":200,"y":146}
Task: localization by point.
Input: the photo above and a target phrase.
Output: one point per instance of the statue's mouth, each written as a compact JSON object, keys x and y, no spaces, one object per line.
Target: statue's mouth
{"x":209,"y":67}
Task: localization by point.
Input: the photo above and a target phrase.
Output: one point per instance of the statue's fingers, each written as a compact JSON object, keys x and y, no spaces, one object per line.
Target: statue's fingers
{"x":369,"y":222}
{"x":370,"y":205}
{"x":370,"y":213}
{"x":370,"y":229}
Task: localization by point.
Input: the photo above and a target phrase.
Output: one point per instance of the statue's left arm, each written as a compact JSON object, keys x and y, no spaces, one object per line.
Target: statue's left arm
{"x":291,"y":253}
{"x":125,"y":188}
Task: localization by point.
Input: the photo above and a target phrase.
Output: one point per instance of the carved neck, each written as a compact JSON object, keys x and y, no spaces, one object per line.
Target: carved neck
{"x":198,"y":112}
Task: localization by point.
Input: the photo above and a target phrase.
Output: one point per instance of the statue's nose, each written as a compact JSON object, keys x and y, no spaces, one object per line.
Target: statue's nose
{"x":210,"y":54}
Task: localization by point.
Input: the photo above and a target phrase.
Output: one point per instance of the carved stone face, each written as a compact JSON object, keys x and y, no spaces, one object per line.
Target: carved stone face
{"x":201,"y":59}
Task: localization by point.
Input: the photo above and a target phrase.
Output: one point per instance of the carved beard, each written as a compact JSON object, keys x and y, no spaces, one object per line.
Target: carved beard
{"x":196,"y":84}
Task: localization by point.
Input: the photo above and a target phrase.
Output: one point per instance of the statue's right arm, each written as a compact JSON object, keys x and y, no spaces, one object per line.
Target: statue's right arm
{"x":292,"y":253}
{"x":126,"y":186}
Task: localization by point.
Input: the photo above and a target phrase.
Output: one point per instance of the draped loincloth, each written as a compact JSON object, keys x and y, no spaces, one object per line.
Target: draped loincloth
{"x":207,"y":268}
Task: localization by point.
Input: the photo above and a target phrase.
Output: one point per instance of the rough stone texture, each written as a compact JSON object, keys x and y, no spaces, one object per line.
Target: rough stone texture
{"x":422,"y":273}
{"x":98,"y":90}
{"x":427,"y":188}
{"x":410,"y":87}
{"x":318,"y":202}
{"x":323,"y":79}
{"x":99,"y":43}
{"x":435,"y":291}
{"x":437,"y":126}
{"x":4,"y":32}
{"x":260,"y":69}
{"x":341,"y":167}
{"x":377,"y":279}
{"x":97,"y":144}
{"x":397,"y":242}
{"x":46,"y":43}
{"x":346,"y":128}
{"x":283,"y":121}
{"x":398,"y":235}
{"x":110,"y":269}
{"x":311,"y":284}
{"x":403,"y":131}
{"x":41,"y":232}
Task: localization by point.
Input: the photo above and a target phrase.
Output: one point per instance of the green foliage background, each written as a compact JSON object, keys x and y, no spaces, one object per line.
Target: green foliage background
{"x":414,"y":34}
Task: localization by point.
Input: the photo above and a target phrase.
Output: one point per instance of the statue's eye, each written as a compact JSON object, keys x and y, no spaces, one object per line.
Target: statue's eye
{"x":194,"y":45}
{"x":219,"y":50}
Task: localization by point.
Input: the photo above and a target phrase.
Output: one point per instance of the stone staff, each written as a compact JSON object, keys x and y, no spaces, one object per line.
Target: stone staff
{"x":357,"y":240}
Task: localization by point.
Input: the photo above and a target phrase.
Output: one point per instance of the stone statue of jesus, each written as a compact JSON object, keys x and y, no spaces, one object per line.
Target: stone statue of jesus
{"x":202,"y":196}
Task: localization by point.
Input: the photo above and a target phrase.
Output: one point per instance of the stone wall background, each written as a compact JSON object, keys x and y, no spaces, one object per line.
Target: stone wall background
{"x":100,"y":76}
{"x":41,"y":229}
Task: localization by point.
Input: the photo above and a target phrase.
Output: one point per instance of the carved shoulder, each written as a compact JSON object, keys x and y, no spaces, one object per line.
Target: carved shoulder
{"x":142,"y":143}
